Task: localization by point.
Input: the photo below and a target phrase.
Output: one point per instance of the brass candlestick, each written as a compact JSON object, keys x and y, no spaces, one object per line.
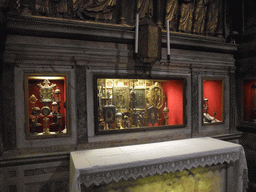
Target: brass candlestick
{"x":165,"y":111}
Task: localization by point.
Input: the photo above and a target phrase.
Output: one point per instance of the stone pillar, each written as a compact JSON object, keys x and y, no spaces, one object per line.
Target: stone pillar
{"x":194,"y":101}
{"x":4,"y":8}
{"x":232,"y":101}
{"x":81,"y":100}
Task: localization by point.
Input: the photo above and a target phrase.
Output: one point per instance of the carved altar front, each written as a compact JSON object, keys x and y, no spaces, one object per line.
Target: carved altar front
{"x":102,"y":166}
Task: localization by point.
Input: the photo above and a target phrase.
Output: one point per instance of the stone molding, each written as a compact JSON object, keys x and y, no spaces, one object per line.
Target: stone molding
{"x":120,"y":33}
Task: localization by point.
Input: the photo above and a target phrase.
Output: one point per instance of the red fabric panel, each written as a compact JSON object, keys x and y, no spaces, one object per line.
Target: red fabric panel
{"x":247,"y":92}
{"x":34,"y":89}
{"x":173,"y":90}
{"x":212,"y":90}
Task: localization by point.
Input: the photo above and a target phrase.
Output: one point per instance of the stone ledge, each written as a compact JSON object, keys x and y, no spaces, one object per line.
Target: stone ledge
{"x":85,"y":30}
{"x":60,"y":153}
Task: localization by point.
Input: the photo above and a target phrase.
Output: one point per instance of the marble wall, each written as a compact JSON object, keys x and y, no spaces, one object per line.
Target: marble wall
{"x":37,"y":43}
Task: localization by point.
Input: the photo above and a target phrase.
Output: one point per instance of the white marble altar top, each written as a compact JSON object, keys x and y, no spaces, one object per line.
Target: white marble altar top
{"x":118,"y":156}
{"x":98,"y":165}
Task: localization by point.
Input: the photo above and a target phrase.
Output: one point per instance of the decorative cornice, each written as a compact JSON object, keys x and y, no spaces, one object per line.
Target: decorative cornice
{"x":36,"y":158}
{"x":92,"y":31}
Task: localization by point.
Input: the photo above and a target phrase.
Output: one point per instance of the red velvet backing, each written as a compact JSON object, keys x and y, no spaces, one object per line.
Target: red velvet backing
{"x":34,"y":89}
{"x":173,"y":90}
{"x":247,"y":93}
{"x":213,"y":91}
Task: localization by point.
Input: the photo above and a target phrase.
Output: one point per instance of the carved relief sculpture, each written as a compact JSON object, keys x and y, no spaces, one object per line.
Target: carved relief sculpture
{"x":61,"y":7}
{"x":200,"y":17}
{"x":172,"y":13}
{"x":145,"y":8}
{"x":55,"y":8}
{"x":42,"y":7}
{"x":212,"y":16}
{"x":96,"y":9}
{"x":186,"y":16}
{"x":206,"y":17}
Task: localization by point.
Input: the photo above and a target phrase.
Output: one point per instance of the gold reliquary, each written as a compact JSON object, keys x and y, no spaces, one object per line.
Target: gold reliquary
{"x":47,"y":105}
{"x":138,"y":104}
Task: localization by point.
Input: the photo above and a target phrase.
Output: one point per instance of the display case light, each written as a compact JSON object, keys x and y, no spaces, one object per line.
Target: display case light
{"x":47,"y":77}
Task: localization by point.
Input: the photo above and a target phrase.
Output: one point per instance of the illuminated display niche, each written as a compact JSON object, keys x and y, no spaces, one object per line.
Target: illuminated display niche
{"x":135,"y":104}
{"x":47,"y":103}
{"x":249,"y":100}
{"x":213,"y":100}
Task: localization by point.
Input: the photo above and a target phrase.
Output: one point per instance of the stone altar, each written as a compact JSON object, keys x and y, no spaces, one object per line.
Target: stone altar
{"x":94,"y":167}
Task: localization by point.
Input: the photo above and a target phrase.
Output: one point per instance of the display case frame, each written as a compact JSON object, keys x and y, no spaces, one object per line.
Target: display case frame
{"x":62,"y":124}
{"x":219,"y":84}
{"x":246,"y":102}
{"x":96,"y":76}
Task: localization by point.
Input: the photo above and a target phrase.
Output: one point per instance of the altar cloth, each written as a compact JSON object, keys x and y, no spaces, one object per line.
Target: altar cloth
{"x":99,"y":166}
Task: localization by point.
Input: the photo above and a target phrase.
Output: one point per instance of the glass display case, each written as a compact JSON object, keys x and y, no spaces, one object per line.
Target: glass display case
{"x":249,"y":100}
{"x":47,"y":100}
{"x":213,"y":101}
{"x":134,"y":104}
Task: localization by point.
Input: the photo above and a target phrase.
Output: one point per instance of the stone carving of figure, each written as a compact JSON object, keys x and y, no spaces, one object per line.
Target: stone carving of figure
{"x":172,"y":13}
{"x":186,"y":16}
{"x":77,"y":4}
{"x":200,"y":16}
{"x":97,"y":9}
{"x":42,"y":7}
{"x":206,"y":16}
{"x":145,"y":8}
{"x":61,"y":7}
{"x":212,"y":16}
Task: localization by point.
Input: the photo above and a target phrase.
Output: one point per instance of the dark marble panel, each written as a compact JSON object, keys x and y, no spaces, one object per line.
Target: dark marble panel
{"x":81,"y":100}
{"x":8,"y":108}
{"x":12,"y":188}
{"x":195,"y":101}
{"x":232,"y":102}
